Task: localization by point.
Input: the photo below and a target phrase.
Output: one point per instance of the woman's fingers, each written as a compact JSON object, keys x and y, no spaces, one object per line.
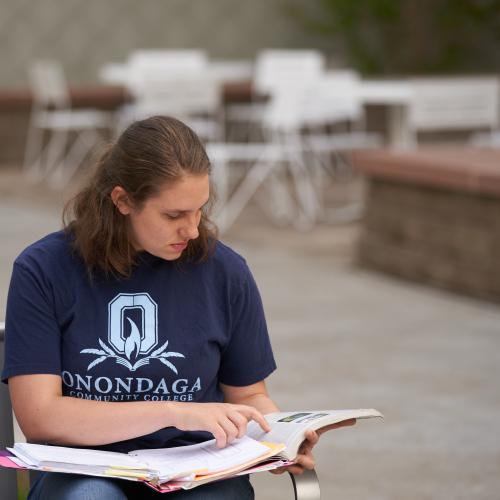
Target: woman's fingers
{"x":224,"y":420}
{"x":312,"y":438}
{"x":240,"y":421}
{"x":297,"y":470}
{"x":234,"y":419}
{"x":230,"y":428}
{"x":293,"y":469}
{"x":256,"y":415}
{"x":280,"y":470}
{"x":220,"y":435}
{"x":306,"y":461}
{"x":303,"y":462}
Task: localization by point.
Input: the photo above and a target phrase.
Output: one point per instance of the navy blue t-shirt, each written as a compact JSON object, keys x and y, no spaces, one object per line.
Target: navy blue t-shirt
{"x":170,"y":332}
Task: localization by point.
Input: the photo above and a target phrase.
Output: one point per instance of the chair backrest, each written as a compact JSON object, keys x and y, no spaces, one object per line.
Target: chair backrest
{"x":179,"y":96}
{"x":329,"y":98}
{"x":149,"y":67}
{"x":332,"y":98}
{"x":275,"y":69}
{"x":48,"y":84}
{"x":176,"y":82}
{"x":465,"y":103}
{"x":169,"y":61}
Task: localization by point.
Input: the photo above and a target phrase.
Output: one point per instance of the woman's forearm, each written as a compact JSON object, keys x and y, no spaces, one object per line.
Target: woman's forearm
{"x":262,"y":402}
{"x":255,"y":395}
{"x":71,"y":421}
{"x":45,"y":415}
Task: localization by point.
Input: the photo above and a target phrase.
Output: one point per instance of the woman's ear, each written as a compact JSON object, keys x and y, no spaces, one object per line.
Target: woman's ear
{"x":121,"y":200}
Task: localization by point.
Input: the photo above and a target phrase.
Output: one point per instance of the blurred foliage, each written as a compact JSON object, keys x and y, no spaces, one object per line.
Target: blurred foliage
{"x":409,"y":36}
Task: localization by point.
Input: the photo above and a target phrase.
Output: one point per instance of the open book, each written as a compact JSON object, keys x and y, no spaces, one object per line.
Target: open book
{"x":185,"y":467}
{"x":289,"y":427}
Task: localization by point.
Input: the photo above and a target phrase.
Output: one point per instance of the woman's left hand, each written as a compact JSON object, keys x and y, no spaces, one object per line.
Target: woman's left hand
{"x":305,"y":459}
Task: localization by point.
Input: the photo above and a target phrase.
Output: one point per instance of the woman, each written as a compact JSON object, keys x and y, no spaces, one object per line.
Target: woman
{"x":134,"y":327}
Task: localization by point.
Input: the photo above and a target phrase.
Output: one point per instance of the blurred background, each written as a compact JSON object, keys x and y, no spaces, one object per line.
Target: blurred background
{"x":355,"y":151}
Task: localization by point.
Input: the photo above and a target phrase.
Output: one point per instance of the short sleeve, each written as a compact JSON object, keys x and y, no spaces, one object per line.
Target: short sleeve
{"x":32,"y":334}
{"x":248,"y":357}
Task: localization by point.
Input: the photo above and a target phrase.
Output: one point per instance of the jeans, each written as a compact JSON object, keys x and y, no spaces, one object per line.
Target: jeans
{"x":55,"y":486}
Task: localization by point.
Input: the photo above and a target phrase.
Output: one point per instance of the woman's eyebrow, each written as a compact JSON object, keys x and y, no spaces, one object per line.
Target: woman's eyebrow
{"x":183,"y":211}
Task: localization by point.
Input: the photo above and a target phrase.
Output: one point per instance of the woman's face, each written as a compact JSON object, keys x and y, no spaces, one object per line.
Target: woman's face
{"x":166,"y":222}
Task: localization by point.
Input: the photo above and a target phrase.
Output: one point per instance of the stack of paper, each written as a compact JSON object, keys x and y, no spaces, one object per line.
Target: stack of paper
{"x":189,"y":466}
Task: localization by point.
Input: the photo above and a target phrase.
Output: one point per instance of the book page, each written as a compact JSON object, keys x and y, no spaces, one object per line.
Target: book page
{"x":272,"y":450}
{"x":289,"y":427}
{"x":204,"y":458}
{"x":38,"y":454}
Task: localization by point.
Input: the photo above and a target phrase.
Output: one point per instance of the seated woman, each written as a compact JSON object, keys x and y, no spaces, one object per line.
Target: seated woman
{"x":134,"y":327}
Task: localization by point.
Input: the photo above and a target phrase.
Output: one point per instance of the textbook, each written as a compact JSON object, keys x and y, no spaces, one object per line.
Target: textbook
{"x":289,"y":427}
{"x":287,"y":433}
{"x":186,"y":467}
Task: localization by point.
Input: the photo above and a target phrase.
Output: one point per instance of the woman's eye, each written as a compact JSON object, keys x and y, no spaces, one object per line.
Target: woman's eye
{"x":172,"y":216}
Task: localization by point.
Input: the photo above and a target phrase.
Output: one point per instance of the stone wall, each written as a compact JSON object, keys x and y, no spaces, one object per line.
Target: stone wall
{"x":85,"y":34}
{"x":448,"y":238}
{"x":13,"y":127}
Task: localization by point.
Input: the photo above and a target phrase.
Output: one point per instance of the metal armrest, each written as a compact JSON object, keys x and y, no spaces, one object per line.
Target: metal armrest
{"x":306,"y":486}
{"x":8,"y":482}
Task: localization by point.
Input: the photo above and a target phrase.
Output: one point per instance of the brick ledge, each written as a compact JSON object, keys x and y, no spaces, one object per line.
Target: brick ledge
{"x":451,"y":167}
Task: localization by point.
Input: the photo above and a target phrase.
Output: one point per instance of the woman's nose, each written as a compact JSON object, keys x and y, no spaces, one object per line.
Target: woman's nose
{"x":190,"y":230}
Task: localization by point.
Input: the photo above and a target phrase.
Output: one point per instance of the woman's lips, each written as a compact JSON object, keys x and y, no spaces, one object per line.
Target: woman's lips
{"x":179,"y":247}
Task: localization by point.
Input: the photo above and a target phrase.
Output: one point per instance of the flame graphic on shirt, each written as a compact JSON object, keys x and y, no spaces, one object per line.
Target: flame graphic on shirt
{"x":133,"y":341}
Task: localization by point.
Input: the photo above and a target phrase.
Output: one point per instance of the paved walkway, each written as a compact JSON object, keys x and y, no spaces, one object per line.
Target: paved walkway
{"x":345,"y":337}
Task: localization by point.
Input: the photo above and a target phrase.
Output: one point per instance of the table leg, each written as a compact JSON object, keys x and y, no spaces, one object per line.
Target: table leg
{"x":399,"y":132}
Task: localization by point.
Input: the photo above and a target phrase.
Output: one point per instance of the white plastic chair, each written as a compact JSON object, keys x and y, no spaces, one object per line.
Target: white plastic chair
{"x":318,"y":106}
{"x":275,"y":69}
{"x":169,"y":60}
{"x":454,"y":104}
{"x":289,"y":153}
{"x":176,"y":83}
{"x":56,"y":158}
{"x":264,"y":164}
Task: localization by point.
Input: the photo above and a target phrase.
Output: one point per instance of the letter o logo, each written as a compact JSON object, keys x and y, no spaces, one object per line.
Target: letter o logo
{"x":143,"y":309}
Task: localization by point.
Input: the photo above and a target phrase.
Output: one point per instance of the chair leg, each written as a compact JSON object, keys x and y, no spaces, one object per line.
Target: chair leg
{"x":33,"y":153}
{"x":54,"y":152}
{"x":235,"y":205}
{"x":70,"y":163}
{"x":306,"y":486}
{"x":277,"y":201}
{"x":308,"y":204}
{"x":221,"y":182}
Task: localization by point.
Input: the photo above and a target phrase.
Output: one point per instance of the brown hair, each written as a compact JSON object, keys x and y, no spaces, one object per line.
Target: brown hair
{"x":148,"y":154}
